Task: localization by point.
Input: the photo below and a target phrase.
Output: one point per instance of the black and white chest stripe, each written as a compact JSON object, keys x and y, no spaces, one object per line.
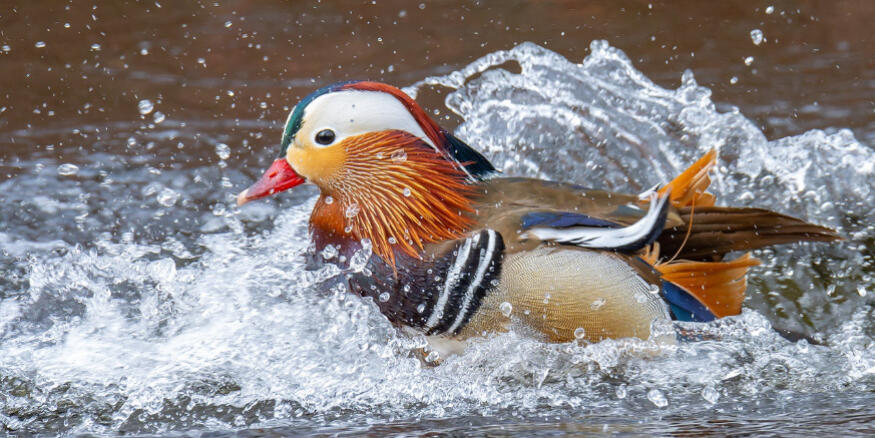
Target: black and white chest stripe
{"x":476,"y":265}
{"x":441,"y":295}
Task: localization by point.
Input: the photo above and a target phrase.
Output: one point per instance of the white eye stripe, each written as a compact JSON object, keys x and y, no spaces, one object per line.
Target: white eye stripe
{"x":353,"y":112}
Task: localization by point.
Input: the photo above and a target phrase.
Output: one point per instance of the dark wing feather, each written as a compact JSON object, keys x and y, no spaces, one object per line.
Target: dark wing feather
{"x":476,"y":164}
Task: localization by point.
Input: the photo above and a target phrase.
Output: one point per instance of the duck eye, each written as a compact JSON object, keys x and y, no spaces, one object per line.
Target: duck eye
{"x":325,"y":137}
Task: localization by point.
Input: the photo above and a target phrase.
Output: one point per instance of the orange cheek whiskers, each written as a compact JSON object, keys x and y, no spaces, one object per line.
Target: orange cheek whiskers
{"x":431,"y":210}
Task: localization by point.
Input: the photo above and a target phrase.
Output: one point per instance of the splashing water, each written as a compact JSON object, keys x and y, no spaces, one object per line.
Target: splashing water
{"x":192,"y":314}
{"x":603,"y":124}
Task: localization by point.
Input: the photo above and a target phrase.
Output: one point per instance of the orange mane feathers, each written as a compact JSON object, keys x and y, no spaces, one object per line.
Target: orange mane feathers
{"x":397,"y":191}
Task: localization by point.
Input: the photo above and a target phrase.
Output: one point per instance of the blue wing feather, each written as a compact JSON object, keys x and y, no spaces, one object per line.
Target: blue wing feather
{"x":551,"y":219}
{"x":589,"y":232}
{"x":685,"y":307}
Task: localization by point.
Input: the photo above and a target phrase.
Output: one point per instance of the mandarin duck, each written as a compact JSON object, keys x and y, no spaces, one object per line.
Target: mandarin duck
{"x":423,"y":224}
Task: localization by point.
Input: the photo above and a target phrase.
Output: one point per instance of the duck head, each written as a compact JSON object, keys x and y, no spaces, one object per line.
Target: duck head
{"x":386,"y":171}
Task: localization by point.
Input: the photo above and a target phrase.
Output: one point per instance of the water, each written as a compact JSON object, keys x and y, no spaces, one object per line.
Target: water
{"x":137,"y":298}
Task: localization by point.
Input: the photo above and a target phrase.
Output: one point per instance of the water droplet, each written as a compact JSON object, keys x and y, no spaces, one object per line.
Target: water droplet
{"x":223,"y":151}
{"x":861,"y":290}
{"x":68,"y":169}
{"x":359,"y":260}
{"x":151,"y":188}
{"x":158,"y":117}
{"x":406,"y":192}
{"x":167,"y":197}
{"x":748,"y":60}
{"x":733,"y":80}
{"x":352,"y":210}
{"x":732,"y":373}
{"x":202,"y":61}
{"x":579,"y":333}
{"x":145,"y":106}
{"x":95,"y":47}
{"x":831,"y":290}
{"x":621,"y":391}
{"x":384,"y":297}
{"x":7,"y":48}
{"x":710,"y":394}
{"x":347,"y":229}
{"x":434,"y":356}
{"x":597,"y":304}
{"x":505,"y":308}
{"x":329,"y":200}
{"x":228,"y":23}
{"x":399,"y":156}
{"x":40,"y":44}
{"x":329,"y":252}
{"x":641,"y":298}
{"x":802,"y":346}
{"x":657,"y":398}
{"x":756,"y":36}
{"x":420,"y":308}
{"x":406,"y":288}
{"x":392,"y":240}
{"x":162,"y":270}
{"x":770,"y":9}
{"x":546,"y":298}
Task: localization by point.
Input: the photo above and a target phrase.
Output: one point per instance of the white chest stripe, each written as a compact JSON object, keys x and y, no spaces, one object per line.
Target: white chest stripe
{"x":483,"y":264}
{"x":450,"y":283}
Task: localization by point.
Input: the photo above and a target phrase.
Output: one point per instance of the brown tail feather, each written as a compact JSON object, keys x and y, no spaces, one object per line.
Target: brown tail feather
{"x":709,"y":232}
{"x":718,"y":230}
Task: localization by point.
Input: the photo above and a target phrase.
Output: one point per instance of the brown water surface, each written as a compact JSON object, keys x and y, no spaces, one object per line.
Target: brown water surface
{"x":71,"y":65}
